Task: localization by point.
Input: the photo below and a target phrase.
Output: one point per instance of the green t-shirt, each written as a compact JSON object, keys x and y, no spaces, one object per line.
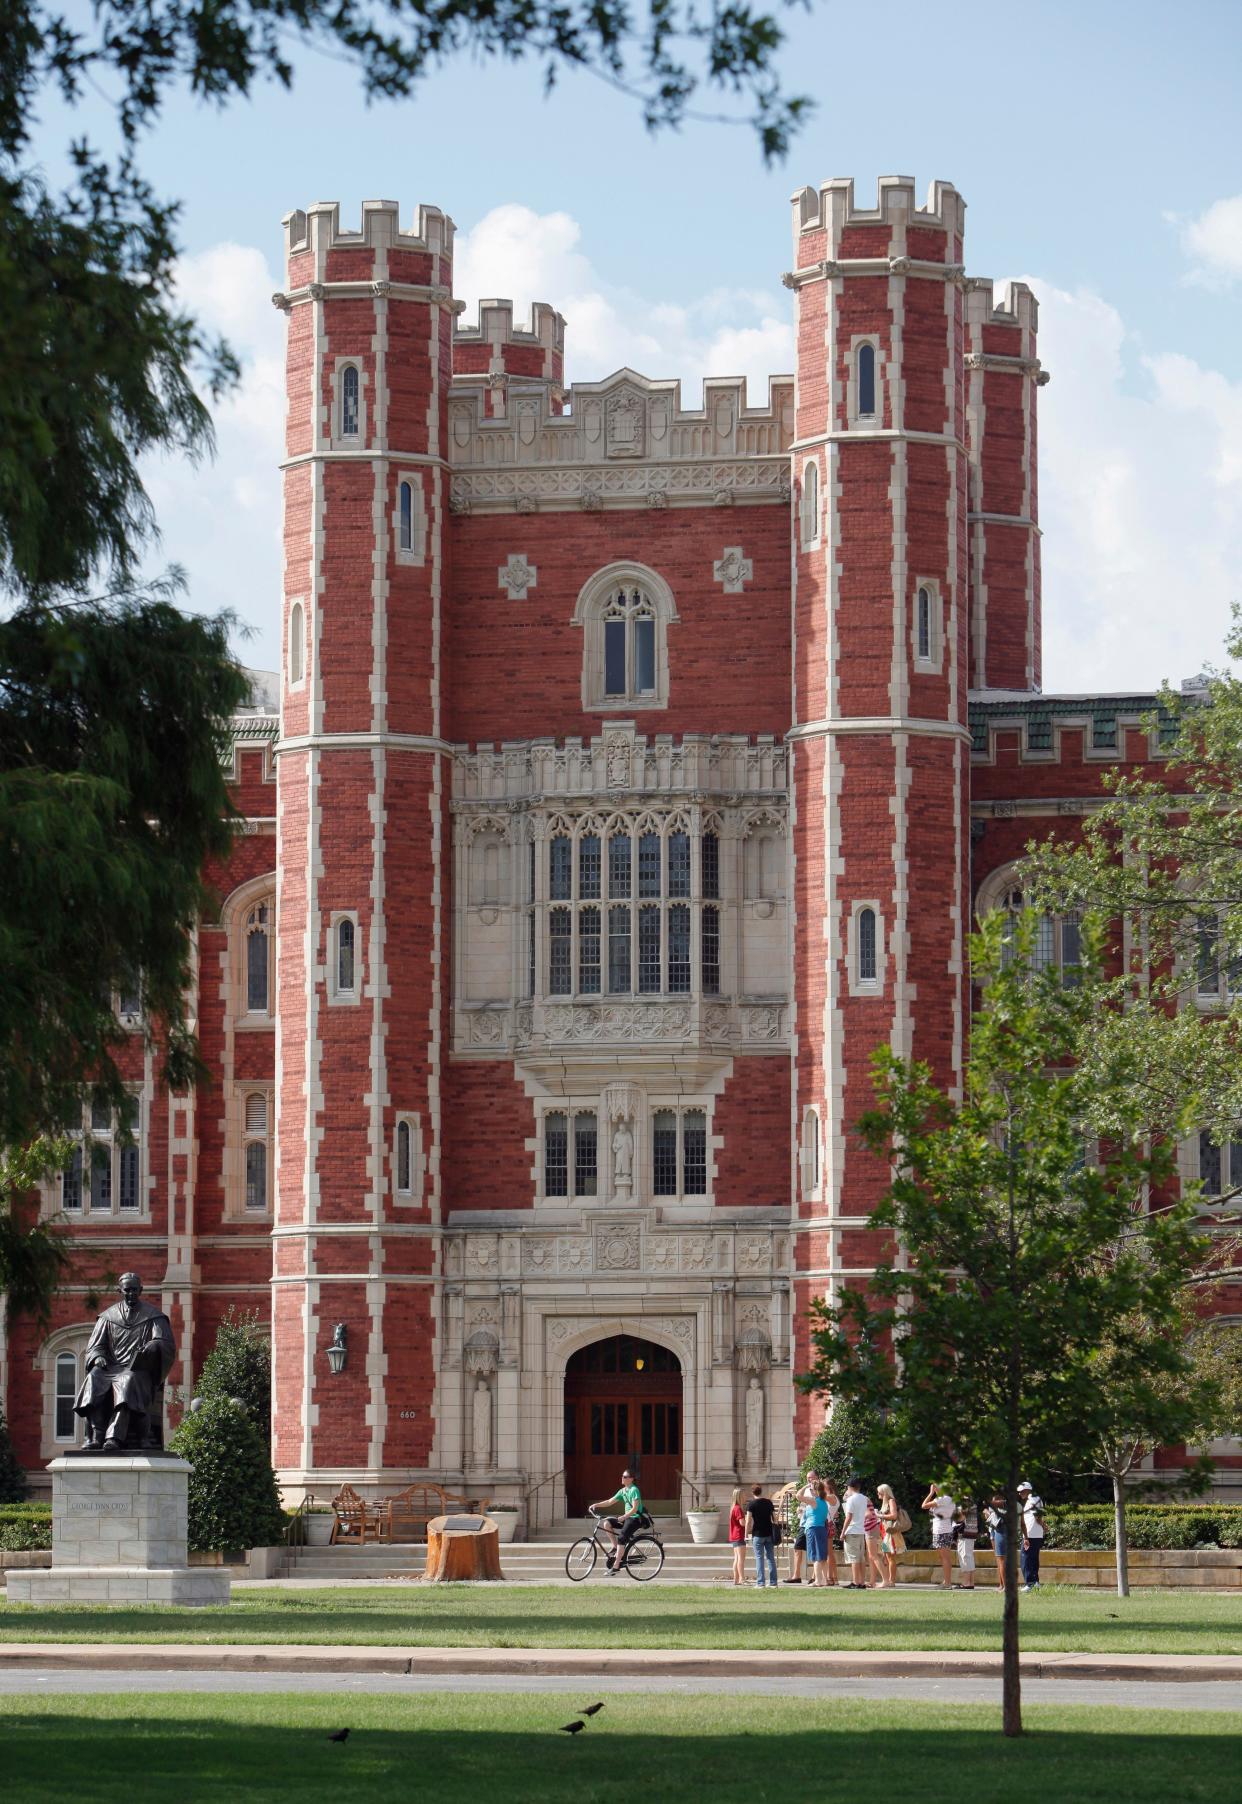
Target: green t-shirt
{"x":630,"y":1496}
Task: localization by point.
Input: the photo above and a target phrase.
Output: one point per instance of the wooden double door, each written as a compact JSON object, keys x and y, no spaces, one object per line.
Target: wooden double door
{"x":623,"y":1408}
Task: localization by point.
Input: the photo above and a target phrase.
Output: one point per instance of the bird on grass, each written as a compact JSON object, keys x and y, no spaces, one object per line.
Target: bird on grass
{"x":341,"y":1735}
{"x":571,"y":1728}
{"x":592,"y":1710}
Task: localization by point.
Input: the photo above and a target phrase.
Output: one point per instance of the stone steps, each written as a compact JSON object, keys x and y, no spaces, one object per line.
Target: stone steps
{"x":540,"y":1561}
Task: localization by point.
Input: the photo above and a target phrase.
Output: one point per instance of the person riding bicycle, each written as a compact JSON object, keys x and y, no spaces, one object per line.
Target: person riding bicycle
{"x":622,"y":1528}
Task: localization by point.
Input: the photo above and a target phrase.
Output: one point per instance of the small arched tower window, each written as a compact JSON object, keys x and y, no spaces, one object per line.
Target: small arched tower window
{"x":349,"y":401}
{"x":297,"y":643}
{"x":866,"y":382}
{"x":810,"y":503}
{"x":257,"y":1145}
{"x":405,"y":516}
{"x":345,"y":976}
{"x":404,"y":1159}
{"x":258,"y":960}
{"x":810,"y":1152}
{"x":866,"y":946}
{"x":923,"y":627}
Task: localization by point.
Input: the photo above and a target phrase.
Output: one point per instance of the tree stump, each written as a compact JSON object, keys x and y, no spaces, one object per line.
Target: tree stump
{"x":462,"y":1547}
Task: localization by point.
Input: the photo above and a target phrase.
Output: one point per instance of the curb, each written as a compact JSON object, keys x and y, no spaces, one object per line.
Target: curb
{"x":596,"y":1664}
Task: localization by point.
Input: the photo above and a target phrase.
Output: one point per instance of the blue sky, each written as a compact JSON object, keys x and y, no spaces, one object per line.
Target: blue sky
{"x":1098,"y":147}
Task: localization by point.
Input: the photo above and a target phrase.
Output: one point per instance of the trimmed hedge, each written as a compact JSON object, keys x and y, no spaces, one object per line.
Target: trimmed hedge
{"x":1148,"y":1525}
{"x":25,"y":1512}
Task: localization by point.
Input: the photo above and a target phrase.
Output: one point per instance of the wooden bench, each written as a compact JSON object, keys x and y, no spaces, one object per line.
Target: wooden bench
{"x":408,"y":1513}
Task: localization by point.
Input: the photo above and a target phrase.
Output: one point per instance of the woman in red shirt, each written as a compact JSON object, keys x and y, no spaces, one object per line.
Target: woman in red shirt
{"x":737,"y":1538}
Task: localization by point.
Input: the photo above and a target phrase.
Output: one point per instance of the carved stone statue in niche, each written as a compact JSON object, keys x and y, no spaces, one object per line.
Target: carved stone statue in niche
{"x":754,"y":1424}
{"x":622,"y":1159}
{"x":481,"y":1443}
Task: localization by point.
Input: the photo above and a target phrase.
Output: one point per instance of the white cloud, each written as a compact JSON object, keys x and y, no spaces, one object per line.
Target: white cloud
{"x":1140,"y":463}
{"x":1214,"y":243}
{"x":526,"y":256}
{"x":221,"y":518}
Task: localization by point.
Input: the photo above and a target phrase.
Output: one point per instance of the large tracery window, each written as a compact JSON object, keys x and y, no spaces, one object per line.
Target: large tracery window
{"x":627,"y":911}
{"x":1057,"y":938}
{"x":104,"y":1172}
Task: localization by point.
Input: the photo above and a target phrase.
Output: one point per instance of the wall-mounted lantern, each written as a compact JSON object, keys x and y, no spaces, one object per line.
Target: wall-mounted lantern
{"x":337,"y":1349}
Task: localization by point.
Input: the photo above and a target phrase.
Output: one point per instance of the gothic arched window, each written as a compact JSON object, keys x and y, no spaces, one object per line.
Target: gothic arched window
{"x":297,"y":643}
{"x":865,"y":382}
{"x":626,"y":610}
{"x":350,"y":408}
{"x":405,"y":516}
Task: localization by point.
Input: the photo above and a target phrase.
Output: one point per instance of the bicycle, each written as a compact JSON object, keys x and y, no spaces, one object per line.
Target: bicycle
{"x":642,"y":1556}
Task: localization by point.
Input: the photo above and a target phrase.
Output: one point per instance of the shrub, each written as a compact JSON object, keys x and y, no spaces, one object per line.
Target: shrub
{"x":240,"y":1365}
{"x":234,"y":1503}
{"x":12,"y":1475}
{"x":835,"y":1453}
{"x":28,"y":1536}
{"x":1148,"y":1525}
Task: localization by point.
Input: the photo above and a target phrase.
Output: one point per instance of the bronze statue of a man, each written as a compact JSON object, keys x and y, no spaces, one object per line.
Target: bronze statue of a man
{"x":128,"y":1358}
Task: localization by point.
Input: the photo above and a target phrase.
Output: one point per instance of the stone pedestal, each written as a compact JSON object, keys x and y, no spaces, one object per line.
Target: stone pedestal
{"x":119,"y":1536}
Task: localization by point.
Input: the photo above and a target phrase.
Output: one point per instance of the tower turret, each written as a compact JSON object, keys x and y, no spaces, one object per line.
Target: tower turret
{"x":361,"y":817}
{"x":880,"y":671}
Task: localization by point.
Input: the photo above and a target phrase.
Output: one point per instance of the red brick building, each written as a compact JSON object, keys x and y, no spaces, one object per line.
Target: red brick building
{"x":636,"y":770}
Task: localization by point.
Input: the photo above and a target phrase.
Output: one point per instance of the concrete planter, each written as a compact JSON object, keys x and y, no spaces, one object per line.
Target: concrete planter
{"x":1205,"y":1568}
{"x":704,"y":1526}
{"x":319,"y":1530}
{"x":506,"y":1523}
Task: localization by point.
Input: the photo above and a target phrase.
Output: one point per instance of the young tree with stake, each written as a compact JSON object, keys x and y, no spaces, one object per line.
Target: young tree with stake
{"x":1015,"y":1258}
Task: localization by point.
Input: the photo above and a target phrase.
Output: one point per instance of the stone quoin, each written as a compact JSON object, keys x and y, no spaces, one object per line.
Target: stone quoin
{"x":633,"y":771}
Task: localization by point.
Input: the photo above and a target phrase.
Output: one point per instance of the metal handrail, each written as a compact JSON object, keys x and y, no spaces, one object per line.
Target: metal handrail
{"x":691,"y":1487}
{"x":532,"y":1507}
{"x":295,"y":1528}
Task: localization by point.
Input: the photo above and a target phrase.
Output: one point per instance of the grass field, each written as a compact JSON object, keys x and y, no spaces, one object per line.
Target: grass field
{"x":476,"y":1747}
{"x":630,"y":1616}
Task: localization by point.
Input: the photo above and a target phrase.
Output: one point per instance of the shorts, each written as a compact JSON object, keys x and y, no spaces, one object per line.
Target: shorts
{"x":800,"y":1541}
{"x":966,"y":1554}
{"x":855,"y":1548}
{"x":816,"y":1543}
{"x":942,"y":1538}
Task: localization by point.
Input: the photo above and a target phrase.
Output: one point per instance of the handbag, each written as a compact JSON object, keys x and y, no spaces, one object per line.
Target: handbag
{"x":904,"y":1524}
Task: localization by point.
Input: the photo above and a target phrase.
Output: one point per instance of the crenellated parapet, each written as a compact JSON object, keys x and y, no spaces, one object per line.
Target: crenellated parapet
{"x":318,"y":229}
{"x":623,"y":442}
{"x":828,"y":224}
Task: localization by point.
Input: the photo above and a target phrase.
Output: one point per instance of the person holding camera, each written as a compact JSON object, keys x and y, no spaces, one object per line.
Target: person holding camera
{"x":942,"y":1510}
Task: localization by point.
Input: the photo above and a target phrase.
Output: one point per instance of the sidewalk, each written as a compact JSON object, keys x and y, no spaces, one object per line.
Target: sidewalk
{"x":595,"y":1664}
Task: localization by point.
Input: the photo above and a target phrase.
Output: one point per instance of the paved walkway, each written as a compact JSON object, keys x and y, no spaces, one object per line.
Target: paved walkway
{"x":1128,"y":1694}
{"x":593,"y":1666}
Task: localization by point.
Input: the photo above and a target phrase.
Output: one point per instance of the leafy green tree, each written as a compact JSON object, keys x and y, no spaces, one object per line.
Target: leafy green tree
{"x":33,"y":1254}
{"x":240,"y":1365}
{"x":233,"y":1499}
{"x":12,"y":1475}
{"x":979,"y":1348}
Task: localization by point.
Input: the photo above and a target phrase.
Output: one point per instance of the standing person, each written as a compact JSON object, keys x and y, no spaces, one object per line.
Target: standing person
{"x":834,"y":1510}
{"x":942,"y":1509}
{"x":759,"y":1527}
{"x":1032,"y":1508}
{"x":806,"y":1497}
{"x":622,"y":1528}
{"x":737,"y":1537}
{"x":873,"y":1528}
{"x":893,"y":1517}
{"x":968,"y":1527}
{"x":855,"y":1534}
{"x":815,"y":1528}
{"x":994,"y":1516}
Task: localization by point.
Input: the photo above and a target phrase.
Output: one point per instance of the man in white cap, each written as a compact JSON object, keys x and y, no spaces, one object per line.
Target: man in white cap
{"x":1032,"y":1508}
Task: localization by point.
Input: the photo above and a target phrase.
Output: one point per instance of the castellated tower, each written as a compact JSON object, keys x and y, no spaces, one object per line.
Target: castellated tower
{"x":361,"y":815}
{"x":880,"y":744}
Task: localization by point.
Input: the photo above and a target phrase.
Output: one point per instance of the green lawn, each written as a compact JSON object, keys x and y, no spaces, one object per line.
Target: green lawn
{"x":476,"y":1747}
{"x":629,"y":1616}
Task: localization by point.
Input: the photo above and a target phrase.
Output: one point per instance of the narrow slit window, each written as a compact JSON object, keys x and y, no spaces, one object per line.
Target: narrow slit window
{"x":404,"y":1160}
{"x":257,"y":961}
{"x":345,"y":970}
{"x":924,"y":630}
{"x":867,"y":971}
{"x":297,"y":643}
{"x":711,"y":951}
{"x":866,"y":381}
{"x":349,"y":402}
{"x":664,"y":1153}
{"x":649,"y":951}
{"x":66,"y":1396}
{"x":560,"y":952}
{"x":810,"y":503}
{"x":694,"y":1153}
{"x":584,"y":1155}
{"x":405,"y":516}
{"x":679,"y":949}
{"x":619,"y":950}
{"x":556,"y":1155}
{"x":588,"y":952}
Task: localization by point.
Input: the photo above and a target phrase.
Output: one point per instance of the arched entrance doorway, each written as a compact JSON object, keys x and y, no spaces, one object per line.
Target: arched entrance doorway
{"x":623,"y":1406}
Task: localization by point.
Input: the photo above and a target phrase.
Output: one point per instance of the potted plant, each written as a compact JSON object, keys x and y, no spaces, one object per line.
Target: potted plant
{"x":704,"y":1523}
{"x":505,"y":1516}
{"x":319,"y":1517}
